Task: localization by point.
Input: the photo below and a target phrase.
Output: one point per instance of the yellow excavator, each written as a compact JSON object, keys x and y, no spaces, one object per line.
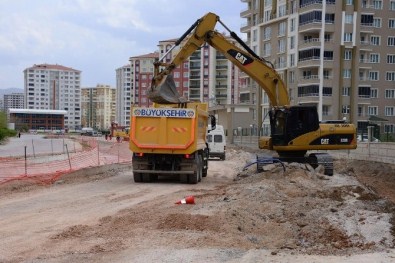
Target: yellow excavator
{"x":294,"y":129}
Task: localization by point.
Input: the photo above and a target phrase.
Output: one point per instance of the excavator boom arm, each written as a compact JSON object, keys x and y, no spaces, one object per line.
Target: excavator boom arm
{"x":203,"y":32}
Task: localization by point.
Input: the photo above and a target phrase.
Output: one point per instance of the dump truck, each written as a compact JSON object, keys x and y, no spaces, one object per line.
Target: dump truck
{"x":170,"y":140}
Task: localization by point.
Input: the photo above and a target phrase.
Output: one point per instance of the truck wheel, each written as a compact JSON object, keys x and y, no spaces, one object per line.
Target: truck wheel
{"x":194,"y":178}
{"x":200,"y":168}
{"x":137,"y":177}
{"x":147,"y":178}
{"x":205,"y":163}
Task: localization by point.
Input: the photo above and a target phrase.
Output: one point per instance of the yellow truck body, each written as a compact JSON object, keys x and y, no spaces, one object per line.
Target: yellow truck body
{"x":169,"y":139}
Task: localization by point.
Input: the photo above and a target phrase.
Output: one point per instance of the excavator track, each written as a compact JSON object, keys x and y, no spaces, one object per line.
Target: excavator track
{"x":314,"y":159}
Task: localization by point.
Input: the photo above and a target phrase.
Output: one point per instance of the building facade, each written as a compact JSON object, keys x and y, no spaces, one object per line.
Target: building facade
{"x":142,"y":71}
{"x":123,"y":95}
{"x":54,"y":87}
{"x":35,"y":119}
{"x":98,"y":106}
{"x":344,"y":64}
{"x":14,"y":101}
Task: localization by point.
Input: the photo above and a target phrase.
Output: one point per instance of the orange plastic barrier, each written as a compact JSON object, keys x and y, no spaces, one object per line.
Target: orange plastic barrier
{"x":46,"y":169}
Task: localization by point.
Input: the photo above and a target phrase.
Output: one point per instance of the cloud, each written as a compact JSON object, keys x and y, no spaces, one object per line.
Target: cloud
{"x":94,"y":36}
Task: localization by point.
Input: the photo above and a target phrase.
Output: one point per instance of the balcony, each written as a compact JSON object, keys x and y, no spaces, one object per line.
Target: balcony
{"x":309,"y":62}
{"x":221,"y":76}
{"x":308,"y":43}
{"x":221,"y":67}
{"x":311,"y":79}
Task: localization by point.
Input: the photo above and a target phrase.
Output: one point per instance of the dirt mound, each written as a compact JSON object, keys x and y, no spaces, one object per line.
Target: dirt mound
{"x":299,"y":210}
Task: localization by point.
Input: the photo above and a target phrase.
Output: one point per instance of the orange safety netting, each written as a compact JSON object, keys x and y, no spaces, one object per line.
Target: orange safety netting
{"x":47,"y":168}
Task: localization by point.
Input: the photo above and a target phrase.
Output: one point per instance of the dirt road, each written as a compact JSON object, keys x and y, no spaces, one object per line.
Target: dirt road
{"x":101,"y":215}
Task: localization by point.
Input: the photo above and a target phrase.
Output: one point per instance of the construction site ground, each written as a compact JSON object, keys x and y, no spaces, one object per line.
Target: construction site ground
{"x":297,"y":215}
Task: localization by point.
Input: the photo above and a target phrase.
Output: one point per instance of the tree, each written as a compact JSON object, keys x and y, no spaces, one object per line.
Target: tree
{"x":4,"y":132}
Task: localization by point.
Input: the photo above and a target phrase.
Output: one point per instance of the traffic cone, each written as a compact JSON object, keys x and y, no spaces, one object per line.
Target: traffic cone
{"x":189,"y":200}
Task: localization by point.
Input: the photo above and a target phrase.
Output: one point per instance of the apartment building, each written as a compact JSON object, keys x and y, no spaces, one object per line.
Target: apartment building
{"x":123,"y":95}
{"x":344,"y":64}
{"x":54,"y":87}
{"x":142,"y":71}
{"x":98,"y":106}
{"x":13,"y":101}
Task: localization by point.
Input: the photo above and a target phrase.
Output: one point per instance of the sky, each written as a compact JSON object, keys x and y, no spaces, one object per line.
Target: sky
{"x":96,"y":36}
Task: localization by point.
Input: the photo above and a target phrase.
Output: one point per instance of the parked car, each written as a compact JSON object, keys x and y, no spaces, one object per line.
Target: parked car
{"x":364,"y":138}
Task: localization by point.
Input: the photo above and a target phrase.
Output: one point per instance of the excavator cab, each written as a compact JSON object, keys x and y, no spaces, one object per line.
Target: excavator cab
{"x":292,"y":122}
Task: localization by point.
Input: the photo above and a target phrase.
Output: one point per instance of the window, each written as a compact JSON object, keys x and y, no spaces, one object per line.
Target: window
{"x":349,"y":2}
{"x":391,"y":59}
{"x":374,"y":75}
{"x":282,"y":10}
{"x":267,"y":33}
{"x":267,"y":49}
{"x":282,"y":28}
{"x":390,"y":128}
{"x":346,"y":91}
{"x":372,"y":110}
{"x":392,"y":5}
{"x":347,"y":54}
{"x":346,"y":109}
{"x":389,"y":111}
{"x":390,"y":93}
{"x":349,"y":19}
{"x":291,"y":77}
{"x":375,"y":40}
{"x":292,"y":42}
{"x":292,"y":26}
{"x":254,"y":35}
{"x":390,"y":76}
{"x":364,"y":92}
{"x":391,"y":23}
{"x":377,"y":22}
{"x":347,"y":37}
{"x":281,"y":46}
{"x":377,"y":4}
{"x":391,"y":41}
{"x":367,"y":20}
{"x":374,"y":93}
{"x":292,"y":60}
{"x":374,"y":58}
{"x":346,"y":73}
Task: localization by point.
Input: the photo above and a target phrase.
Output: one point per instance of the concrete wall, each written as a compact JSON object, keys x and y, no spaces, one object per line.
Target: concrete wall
{"x":374,"y":151}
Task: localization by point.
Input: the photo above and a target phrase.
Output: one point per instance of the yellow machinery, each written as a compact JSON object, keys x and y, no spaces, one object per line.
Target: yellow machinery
{"x":170,"y":139}
{"x":119,"y":132}
{"x":294,"y":129}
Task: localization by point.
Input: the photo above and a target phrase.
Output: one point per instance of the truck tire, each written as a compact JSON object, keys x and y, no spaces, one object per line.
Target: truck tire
{"x":205,"y":162}
{"x":194,"y":178}
{"x":137,"y":177}
{"x":200,"y":168}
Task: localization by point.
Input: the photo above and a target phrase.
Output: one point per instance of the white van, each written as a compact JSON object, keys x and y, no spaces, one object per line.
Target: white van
{"x":216,"y":142}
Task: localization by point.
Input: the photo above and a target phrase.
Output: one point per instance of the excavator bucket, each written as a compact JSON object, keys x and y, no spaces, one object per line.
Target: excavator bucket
{"x":166,"y":92}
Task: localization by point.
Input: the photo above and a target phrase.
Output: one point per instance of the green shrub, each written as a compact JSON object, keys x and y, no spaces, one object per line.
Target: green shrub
{"x":4,"y":133}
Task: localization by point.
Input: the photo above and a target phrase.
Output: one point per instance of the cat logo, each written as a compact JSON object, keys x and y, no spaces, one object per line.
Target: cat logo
{"x":325,"y":141}
{"x":242,"y":59}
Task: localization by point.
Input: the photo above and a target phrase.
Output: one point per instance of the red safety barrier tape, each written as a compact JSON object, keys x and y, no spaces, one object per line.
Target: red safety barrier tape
{"x":46,"y":169}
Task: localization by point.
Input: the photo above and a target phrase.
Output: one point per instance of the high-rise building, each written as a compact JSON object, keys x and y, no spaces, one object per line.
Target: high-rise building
{"x":142,"y":71}
{"x":344,"y":64}
{"x":54,"y":87}
{"x":123,"y":95}
{"x":98,"y":106}
{"x":14,"y":101}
